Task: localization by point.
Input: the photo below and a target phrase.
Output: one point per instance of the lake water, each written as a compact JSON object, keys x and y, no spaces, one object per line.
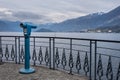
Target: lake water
{"x":104,"y":36}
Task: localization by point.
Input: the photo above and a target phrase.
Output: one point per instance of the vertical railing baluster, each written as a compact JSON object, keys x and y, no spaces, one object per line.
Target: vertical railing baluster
{"x":86,"y":64}
{"x":78,"y":63}
{"x":12,"y":53}
{"x":16,"y":50}
{"x":100,"y":68}
{"x":6,"y":52}
{"x":109,"y":72}
{"x":90,"y":60}
{"x":0,"y":43}
{"x":22,"y":53}
{"x":57,"y":60}
{"x":19,"y":49}
{"x":1,"y":52}
{"x":46,"y":56}
{"x":71,"y":64}
{"x":118,"y":72}
{"x":1,"y":55}
{"x":34,"y":56}
{"x":53,"y":53}
{"x":50,"y":53}
{"x":64,"y":61}
{"x":95,"y":60}
{"x":40,"y":55}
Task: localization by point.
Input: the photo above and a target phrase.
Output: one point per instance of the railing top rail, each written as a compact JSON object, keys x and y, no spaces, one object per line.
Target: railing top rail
{"x":86,"y":39}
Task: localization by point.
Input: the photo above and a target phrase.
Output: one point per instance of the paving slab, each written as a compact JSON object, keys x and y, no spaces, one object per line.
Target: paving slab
{"x":10,"y":71}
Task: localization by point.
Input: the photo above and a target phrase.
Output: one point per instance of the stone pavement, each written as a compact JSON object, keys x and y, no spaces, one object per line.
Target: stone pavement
{"x":10,"y":71}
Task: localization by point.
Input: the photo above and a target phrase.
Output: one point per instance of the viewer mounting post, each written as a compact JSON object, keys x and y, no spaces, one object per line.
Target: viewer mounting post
{"x":27,"y":32}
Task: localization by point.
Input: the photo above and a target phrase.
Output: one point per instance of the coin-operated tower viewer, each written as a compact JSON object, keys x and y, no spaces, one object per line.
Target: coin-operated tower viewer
{"x":27,"y":32}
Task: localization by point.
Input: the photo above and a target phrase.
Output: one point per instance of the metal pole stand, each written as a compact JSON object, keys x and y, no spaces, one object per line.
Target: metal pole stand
{"x":27,"y":32}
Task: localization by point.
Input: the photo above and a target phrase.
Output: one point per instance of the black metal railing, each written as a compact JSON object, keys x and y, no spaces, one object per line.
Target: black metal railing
{"x":96,"y":59}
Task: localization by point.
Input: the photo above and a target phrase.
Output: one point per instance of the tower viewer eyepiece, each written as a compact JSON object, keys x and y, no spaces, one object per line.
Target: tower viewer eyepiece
{"x":21,"y":24}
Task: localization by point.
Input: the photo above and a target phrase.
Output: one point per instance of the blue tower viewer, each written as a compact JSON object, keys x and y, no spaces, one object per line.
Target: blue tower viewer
{"x":27,"y":32}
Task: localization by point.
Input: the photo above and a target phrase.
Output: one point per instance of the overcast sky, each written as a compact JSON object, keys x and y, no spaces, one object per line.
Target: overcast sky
{"x":47,"y":11}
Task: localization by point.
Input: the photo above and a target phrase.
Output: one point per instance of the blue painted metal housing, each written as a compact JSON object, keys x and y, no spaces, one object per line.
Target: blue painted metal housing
{"x":27,"y":32}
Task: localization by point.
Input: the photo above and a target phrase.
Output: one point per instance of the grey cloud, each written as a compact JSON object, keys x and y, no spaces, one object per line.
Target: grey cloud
{"x":6,"y":14}
{"x":25,"y":16}
{"x":28,"y":15}
{"x":45,"y":10}
{"x":2,"y":14}
{"x":32,"y":17}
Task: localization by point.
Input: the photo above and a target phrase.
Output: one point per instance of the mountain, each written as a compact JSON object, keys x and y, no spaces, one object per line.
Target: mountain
{"x":91,"y":21}
{"x":12,"y":26}
{"x":9,"y":26}
{"x":112,"y":18}
{"x":95,"y":21}
{"x":112,"y":23}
